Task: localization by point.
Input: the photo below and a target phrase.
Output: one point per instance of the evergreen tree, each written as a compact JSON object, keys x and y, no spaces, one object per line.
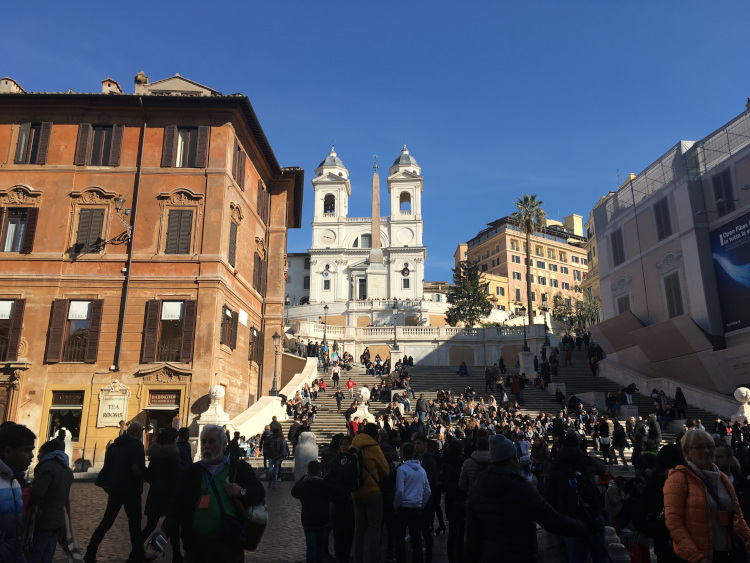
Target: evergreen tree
{"x":467,"y":297}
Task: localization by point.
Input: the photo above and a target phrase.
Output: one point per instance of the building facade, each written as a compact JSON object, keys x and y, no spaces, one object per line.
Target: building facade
{"x":358,"y":267}
{"x":673,"y":252}
{"x":558,"y":255}
{"x":143,"y":256}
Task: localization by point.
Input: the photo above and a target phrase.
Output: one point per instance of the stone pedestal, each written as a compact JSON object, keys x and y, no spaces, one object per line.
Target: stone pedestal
{"x":214,"y":414}
{"x":377,"y":277}
{"x":593,"y":398}
{"x":553,"y":387}
{"x":626,"y":411}
{"x":526,"y":361}
{"x":742,"y":394}
{"x":394,"y":356}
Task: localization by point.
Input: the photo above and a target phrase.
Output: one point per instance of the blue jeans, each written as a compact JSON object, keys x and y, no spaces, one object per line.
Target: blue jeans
{"x":44,"y":549}
{"x":580,"y":548}
{"x":274,"y":466}
{"x":421,"y":415}
{"x":317,"y":544}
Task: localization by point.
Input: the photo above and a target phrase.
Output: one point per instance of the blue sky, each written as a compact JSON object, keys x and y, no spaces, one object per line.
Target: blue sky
{"x":494,"y":99}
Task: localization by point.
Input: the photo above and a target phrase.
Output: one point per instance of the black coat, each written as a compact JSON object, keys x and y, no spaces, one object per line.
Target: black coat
{"x":315,"y":494}
{"x":557,"y":489}
{"x":186,"y":496}
{"x":163,"y":472}
{"x":502,"y":512}
{"x":124,"y":466}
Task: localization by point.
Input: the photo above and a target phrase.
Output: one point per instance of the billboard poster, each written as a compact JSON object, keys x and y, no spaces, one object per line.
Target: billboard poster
{"x":730,"y":245}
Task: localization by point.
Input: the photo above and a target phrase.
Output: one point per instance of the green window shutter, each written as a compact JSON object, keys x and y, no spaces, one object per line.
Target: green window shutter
{"x":32,"y":216}
{"x":95,"y":326}
{"x":150,"y":331}
{"x":201,"y":152}
{"x":44,"y":135}
{"x":16,"y":324}
{"x":189,"y":316}
{"x":23,"y":143}
{"x":115,"y":151}
{"x":170,"y":144}
{"x":232,"y":243}
{"x":58,"y":320}
{"x":222,"y":334}
{"x":235,"y":322}
{"x":83,"y":145}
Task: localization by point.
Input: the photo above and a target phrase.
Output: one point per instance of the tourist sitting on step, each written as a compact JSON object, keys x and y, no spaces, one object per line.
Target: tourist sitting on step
{"x":463,"y":370}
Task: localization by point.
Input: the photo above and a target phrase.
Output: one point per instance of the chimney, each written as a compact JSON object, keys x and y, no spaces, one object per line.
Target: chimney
{"x":141,"y":81}
{"x":10,"y":86}
{"x":110,"y":86}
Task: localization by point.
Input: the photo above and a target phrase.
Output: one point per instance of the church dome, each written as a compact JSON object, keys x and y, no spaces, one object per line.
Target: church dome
{"x":405,"y":159}
{"x":332,"y":160}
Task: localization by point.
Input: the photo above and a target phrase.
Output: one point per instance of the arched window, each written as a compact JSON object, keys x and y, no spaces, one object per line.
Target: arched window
{"x":404,"y":203}
{"x":329,"y":204}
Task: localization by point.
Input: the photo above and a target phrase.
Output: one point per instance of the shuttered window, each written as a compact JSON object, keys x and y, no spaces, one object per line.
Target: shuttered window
{"x":256,"y":346}
{"x":33,"y":143}
{"x":179,"y":231}
{"x":618,"y":248}
{"x":663,"y":222}
{"x":185,"y":147}
{"x":74,"y":331}
{"x":89,"y":234}
{"x":262,"y":204}
{"x":229,"y":322}
{"x":238,"y":166}
{"x":232,"y":243}
{"x":723,"y":193}
{"x":18,"y":228}
{"x":169,"y":331}
{"x":11,"y":322}
{"x":98,"y":145}
{"x":673,"y":295}
{"x":256,"y":271}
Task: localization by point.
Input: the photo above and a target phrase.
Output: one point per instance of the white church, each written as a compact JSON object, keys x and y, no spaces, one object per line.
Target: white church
{"x":364,"y":271}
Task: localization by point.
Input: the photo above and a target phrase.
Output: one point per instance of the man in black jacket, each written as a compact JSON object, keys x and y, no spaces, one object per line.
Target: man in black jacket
{"x":206,"y":502}
{"x":122,"y":478}
{"x":503,"y":509}
{"x":315,"y":494}
{"x":570,"y":487}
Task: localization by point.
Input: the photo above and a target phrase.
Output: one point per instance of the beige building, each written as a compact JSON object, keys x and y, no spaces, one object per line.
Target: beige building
{"x":674,"y":252}
{"x":558,"y":255}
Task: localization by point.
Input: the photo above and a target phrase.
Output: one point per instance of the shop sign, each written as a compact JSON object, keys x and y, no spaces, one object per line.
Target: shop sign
{"x":113,"y":404}
{"x":158,"y":398}
{"x":67,"y":398}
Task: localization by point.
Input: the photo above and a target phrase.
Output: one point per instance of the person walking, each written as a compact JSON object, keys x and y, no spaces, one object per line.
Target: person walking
{"x":368,"y":502}
{"x":183,"y":445}
{"x":51,"y":490}
{"x":122,"y":478}
{"x":350,"y":386}
{"x":162,"y":475}
{"x":343,"y":509}
{"x":680,"y":403}
{"x":412,"y":494}
{"x":275,"y":454}
{"x":315,"y":494}
{"x":503,"y":509}
{"x":207,"y":499}
{"x":16,"y":454}
{"x":336,"y":375}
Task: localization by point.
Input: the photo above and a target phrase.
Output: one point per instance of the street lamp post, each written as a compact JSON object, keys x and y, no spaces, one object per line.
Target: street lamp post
{"x":522,"y":310}
{"x":276,"y":340}
{"x":395,"y":323}
{"x":325,"y":323}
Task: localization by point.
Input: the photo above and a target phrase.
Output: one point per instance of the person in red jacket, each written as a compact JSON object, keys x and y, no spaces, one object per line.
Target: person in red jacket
{"x":350,"y":385}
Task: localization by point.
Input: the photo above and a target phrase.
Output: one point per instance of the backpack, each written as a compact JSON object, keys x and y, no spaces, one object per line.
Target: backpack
{"x":350,"y":470}
{"x":588,"y":498}
{"x":273,"y":448}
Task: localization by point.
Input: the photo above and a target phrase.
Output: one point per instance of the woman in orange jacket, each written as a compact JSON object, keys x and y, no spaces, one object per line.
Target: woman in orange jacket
{"x":701,"y":507}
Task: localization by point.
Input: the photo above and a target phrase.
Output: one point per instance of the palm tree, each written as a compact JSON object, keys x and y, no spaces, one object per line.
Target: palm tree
{"x":530,"y":218}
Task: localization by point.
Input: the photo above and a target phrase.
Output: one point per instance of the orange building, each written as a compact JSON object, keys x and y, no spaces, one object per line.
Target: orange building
{"x":143,"y":241}
{"x":559,"y":261}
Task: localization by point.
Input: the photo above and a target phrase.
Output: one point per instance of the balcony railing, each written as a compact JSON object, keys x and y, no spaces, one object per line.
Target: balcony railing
{"x":75,"y":346}
{"x":169,"y":351}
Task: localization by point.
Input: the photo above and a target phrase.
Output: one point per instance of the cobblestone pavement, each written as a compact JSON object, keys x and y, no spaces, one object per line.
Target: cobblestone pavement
{"x":283,"y":541}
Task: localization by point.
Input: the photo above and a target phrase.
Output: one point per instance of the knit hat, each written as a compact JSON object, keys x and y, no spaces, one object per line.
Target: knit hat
{"x":501,"y":449}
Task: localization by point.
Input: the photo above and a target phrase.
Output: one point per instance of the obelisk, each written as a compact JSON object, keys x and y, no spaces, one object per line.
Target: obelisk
{"x":377,"y":273}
